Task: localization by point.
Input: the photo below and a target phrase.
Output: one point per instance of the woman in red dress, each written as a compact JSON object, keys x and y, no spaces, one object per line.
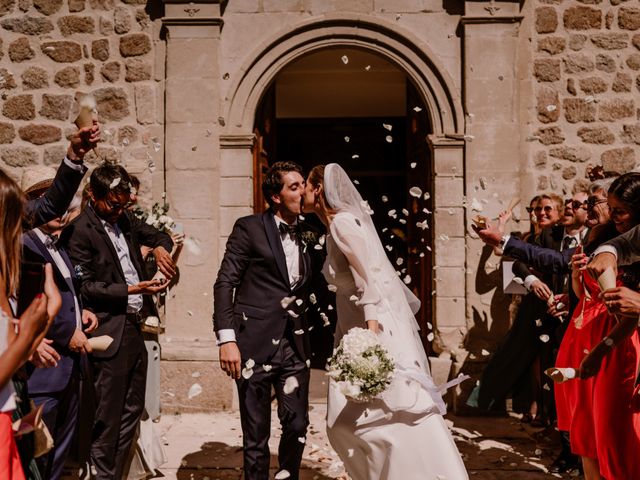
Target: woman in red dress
{"x":601,"y":412}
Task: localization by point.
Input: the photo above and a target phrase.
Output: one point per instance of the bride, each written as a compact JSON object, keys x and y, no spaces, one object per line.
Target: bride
{"x":402,"y":434}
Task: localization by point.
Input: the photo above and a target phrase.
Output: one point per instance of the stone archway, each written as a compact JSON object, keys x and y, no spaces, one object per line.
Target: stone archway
{"x":444,"y":106}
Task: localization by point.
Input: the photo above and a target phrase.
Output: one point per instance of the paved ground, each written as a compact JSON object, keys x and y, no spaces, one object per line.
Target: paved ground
{"x":208,"y":447}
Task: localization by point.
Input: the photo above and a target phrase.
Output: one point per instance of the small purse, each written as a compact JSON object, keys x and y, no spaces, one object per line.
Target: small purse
{"x":33,"y":423}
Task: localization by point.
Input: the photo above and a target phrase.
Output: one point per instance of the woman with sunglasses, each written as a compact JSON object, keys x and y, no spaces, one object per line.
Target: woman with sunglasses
{"x":599,"y":411}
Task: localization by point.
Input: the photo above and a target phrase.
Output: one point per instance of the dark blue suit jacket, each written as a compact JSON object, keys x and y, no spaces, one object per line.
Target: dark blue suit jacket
{"x":539,"y":258}
{"x":49,"y":380}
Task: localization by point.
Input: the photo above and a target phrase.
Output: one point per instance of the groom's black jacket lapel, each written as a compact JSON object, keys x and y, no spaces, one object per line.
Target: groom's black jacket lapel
{"x":273,"y":236}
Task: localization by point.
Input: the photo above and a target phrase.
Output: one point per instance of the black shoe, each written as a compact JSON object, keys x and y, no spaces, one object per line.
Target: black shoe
{"x":565,"y":463}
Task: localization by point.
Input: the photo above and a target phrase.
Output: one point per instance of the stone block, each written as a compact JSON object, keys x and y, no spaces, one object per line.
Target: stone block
{"x":137,"y":70}
{"x":111,"y":71}
{"x":190,"y":203}
{"x":102,"y":4}
{"x":449,"y":191}
{"x":631,"y":134}
{"x":20,"y":50}
{"x":546,"y":20}
{"x":316,"y":7}
{"x":635,"y":40}
{"x":7,"y":81}
{"x":450,"y":312}
{"x":76,"y":5}
{"x":127,"y":135}
{"x":176,"y":380}
{"x":596,"y":135}
{"x":577,"y":41}
{"x":605,"y":63}
{"x":201,"y":64}
{"x":571,"y":154}
{"x":548,"y":105}
{"x":28,"y":25}
{"x":622,"y":82}
{"x":582,"y":18}
{"x":68,"y":77}
{"x":62,"y":51}
{"x":236,"y":192}
{"x":449,"y":252}
{"x":449,"y":281}
{"x":550,"y":135}
{"x":619,"y":160}
{"x":449,"y":221}
{"x":105,"y":26}
{"x":228,"y":217}
{"x":39,"y":134}
{"x":143,"y":19}
{"x":286,"y":6}
{"x":18,"y":156}
{"x":593,"y":85}
{"x":629,"y":18}
{"x":543,"y":182}
{"x":547,"y":69}
{"x":73,"y":24}
{"x":113,"y":103}
{"x":7,"y":132}
{"x":145,"y":98}
{"x":198,"y":103}
{"x":244,"y":6}
{"x":135,"y":44}
{"x":569,"y":172}
{"x":34,"y":78}
{"x":19,"y":107}
{"x":616,"y":109}
{"x":608,"y":19}
{"x":6,"y":6}
{"x":610,"y":41}
{"x":552,"y":45}
{"x":540,"y":159}
{"x":54,"y":154}
{"x":448,"y":160}
{"x":579,"y":110}
{"x":89,"y":73}
{"x":578,"y":63}
{"x":633,"y":61}
{"x":571,"y":86}
{"x":122,"y":20}
{"x":56,"y":107}
{"x":100,"y":49}
{"x":236,"y":162}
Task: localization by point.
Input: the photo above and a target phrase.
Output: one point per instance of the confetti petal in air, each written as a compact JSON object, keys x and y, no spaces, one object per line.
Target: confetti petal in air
{"x":384,"y":199}
{"x":299,"y":331}
{"x":332,"y":288}
{"x":356,"y":182}
{"x":116,"y":181}
{"x":286,"y":301}
{"x":405,"y":212}
{"x":476,"y":205}
{"x":388,"y":138}
{"x":367,"y":68}
{"x":551,"y":108}
{"x":266,"y":367}
{"x":250,"y":363}
{"x":283,"y":474}
{"x":426,"y":196}
{"x":247,"y":373}
{"x":407,"y":279}
{"x":544,"y":338}
{"x":194,"y":391}
{"x":430,"y":336}
{"x":355,"y":156}
{"x":345,"y":59}
{"x":290,"y":385}
{"x":538,"y":323}
{"x":347,"y":139}
{"x":422,"y":225}
{"x":386,"y":126}
{"x":275,"y":341}
{"x":365,"y":205}
{"x":302,"y":440}
{"x":325,"y":320}
{"x":353,"y":298}
{"x":292,"y":314}
{"x":313,"y":299}
{"x":415,"y":192}
{"x":299,"y":302}
{"x":417,"y":109}
{"x":485,"y":352}
{"x":413,"y":164}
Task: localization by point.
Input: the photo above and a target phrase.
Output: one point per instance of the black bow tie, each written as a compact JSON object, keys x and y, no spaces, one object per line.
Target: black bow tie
{"x":51,"y":241}
{"x":292,"y":230}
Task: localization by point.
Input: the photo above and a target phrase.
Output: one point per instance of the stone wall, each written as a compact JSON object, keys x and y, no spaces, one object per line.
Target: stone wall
{"x":52,"y":52}
{"x":586,"y":66}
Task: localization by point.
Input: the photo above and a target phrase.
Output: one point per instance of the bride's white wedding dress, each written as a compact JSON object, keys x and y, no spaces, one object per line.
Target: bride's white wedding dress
{"x":401,"y":435}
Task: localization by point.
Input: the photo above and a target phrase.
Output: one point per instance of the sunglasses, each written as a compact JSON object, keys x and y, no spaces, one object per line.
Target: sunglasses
{"x":593,"y":201}
{"x":115,"y":206}
{"x":547,"y":209}
{"x":575,"y":204}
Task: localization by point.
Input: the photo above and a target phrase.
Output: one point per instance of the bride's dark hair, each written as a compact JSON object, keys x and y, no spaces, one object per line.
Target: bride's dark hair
{"x":316,"y":178}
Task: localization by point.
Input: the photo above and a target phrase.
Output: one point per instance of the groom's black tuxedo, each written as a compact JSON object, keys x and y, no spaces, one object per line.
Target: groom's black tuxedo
{"x":252,"y":282}
{"x":255,"y":269}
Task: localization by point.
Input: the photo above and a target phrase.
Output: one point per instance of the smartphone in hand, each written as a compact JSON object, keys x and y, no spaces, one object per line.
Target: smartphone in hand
{"x":31,"y":284}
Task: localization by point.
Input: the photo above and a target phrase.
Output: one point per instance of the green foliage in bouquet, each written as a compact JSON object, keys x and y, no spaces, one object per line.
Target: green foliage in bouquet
{"x":157,"y":217}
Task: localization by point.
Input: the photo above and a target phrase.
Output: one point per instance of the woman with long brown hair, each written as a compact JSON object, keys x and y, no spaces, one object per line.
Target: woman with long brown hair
{"x":18,"y":338}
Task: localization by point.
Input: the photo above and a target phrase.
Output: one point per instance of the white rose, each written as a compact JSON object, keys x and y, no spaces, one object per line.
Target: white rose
{"x":348,"y":389}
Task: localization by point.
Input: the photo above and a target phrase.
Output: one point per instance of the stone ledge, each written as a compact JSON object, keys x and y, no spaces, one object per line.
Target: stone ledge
{"x":188,"y":349}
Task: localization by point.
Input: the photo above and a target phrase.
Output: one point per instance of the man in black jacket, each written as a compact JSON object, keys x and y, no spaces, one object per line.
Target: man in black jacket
{"x":259,"y":303}
{"x":104,"y":246}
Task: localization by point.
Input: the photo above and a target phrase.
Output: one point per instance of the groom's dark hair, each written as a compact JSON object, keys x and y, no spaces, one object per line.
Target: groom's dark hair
{"x":272,"y":183}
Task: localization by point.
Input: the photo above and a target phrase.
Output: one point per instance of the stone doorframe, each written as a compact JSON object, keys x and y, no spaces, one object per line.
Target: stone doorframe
{"x":444,"y":105}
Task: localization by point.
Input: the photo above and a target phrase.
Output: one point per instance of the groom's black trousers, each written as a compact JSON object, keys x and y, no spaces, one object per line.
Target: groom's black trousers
{"x":255,"y":413}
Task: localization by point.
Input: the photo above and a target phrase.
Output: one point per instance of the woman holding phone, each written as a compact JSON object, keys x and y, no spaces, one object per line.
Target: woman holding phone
{"x":18,"y":337}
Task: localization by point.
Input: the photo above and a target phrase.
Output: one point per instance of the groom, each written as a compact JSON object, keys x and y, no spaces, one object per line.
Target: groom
{"x":259,"y":302}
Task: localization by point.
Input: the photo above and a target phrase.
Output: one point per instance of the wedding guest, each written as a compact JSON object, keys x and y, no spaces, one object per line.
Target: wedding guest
{"x":55,"y":385}
{"x":599,"y":411}
{"x":104,"y":246}
{"x":18,"y":338}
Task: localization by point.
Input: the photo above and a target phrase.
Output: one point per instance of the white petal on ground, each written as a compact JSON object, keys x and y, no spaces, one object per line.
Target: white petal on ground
{"x":195,"y":374}
{"x":283,"y":474}
{"x":290,"y":385}
{"x":194,"y":391}
{"x":415,"y":192}
{"x":286,"y":301}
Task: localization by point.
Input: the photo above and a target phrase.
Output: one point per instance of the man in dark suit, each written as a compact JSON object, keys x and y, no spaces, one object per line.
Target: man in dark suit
{"x":56,"y":384}
{"x":104,"y":246}
{"x":55,"y":200}
{"x":259,"y":302}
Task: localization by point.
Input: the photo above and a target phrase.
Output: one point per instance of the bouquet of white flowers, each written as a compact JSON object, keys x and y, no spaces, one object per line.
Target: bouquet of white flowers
{"x":361,"y":367}
{"x":157,"y":217}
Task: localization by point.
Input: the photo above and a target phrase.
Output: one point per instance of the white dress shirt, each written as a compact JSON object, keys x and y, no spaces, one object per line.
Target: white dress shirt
{"x":134,"y":303}
{"x":61,"y":265}
{"x":7,"y":393}
{"x":291,"y":249}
